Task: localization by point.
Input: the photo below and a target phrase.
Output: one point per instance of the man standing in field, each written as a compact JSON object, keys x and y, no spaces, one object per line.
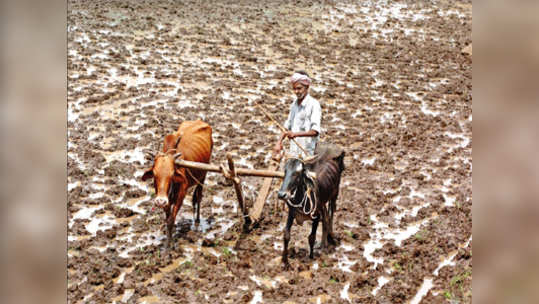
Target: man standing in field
{"x":303,"y":123}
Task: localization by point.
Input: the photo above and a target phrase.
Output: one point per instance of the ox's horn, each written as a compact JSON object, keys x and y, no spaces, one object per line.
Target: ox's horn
{"x":177,"y":155}
{"x":149,"y":152}
{"x":308,"y":158}
{"x":178,"y":141}
{"x":311,"y":174}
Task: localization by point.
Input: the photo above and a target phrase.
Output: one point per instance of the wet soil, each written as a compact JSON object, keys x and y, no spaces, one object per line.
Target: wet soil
{"x":394,"y":82}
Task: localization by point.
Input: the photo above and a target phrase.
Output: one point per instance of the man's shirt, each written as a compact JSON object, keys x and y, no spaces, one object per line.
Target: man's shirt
{"x":301,"y":118}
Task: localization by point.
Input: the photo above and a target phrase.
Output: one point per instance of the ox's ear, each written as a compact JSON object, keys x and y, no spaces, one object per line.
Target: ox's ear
{"x":147,"y":174}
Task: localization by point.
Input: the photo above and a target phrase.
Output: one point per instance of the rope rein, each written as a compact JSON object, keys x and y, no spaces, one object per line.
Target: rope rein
{"x":310,"y":196}
{"x":193,"y":177}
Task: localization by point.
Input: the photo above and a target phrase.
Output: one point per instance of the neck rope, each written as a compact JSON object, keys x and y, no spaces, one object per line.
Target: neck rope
{"x":309,"y":195}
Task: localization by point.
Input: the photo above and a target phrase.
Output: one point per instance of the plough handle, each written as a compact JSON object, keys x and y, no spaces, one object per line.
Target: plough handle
{"x":282,"y":128}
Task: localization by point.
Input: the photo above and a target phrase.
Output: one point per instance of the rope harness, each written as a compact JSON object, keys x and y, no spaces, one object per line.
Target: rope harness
{"x":193,"y":177}
{"x":310,"y":195}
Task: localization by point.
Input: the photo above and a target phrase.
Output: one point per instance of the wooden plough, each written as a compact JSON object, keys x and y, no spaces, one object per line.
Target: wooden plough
{"x":233,"y":173}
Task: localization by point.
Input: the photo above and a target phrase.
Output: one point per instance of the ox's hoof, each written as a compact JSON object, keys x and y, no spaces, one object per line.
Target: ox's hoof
{"x":325,"y":249}
{"x":332,"y":241}
{"x":171,"y":246}
{"x":286,"y":266}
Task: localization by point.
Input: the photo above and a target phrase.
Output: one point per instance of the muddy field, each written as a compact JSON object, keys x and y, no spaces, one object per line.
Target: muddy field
{"x":394,"y":82}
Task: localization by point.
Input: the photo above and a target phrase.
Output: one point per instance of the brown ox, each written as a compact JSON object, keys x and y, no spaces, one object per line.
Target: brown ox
{"x":193,"y":142}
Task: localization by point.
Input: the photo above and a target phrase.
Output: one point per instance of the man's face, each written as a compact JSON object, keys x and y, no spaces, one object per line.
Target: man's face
{"x":300,"y":90}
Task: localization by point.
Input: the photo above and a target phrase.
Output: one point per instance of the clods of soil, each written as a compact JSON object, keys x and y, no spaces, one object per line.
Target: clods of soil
{"x":394,"y":82}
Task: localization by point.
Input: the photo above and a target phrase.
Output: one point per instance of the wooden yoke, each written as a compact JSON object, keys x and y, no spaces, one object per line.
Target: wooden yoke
{"x":239,"y":171}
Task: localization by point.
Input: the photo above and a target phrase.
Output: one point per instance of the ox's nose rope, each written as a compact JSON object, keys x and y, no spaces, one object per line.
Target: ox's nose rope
{"x":309,"y":195}
{"x":290,"y":203}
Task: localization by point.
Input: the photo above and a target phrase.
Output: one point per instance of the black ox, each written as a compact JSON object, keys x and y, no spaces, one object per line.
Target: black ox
{"x":307,"y":186}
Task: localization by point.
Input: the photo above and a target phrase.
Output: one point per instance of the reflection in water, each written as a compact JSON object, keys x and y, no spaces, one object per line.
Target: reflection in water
{"x":423,"y":290}
{"x":344,"y":292}
{"x":381,"y":282}
{"x":257,"y":298}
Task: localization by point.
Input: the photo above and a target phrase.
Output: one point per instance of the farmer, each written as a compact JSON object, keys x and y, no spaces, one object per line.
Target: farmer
{"x":303,"y":123}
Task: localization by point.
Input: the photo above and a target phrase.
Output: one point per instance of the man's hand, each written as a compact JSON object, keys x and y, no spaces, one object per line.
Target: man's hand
{"x":289,"y":134}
